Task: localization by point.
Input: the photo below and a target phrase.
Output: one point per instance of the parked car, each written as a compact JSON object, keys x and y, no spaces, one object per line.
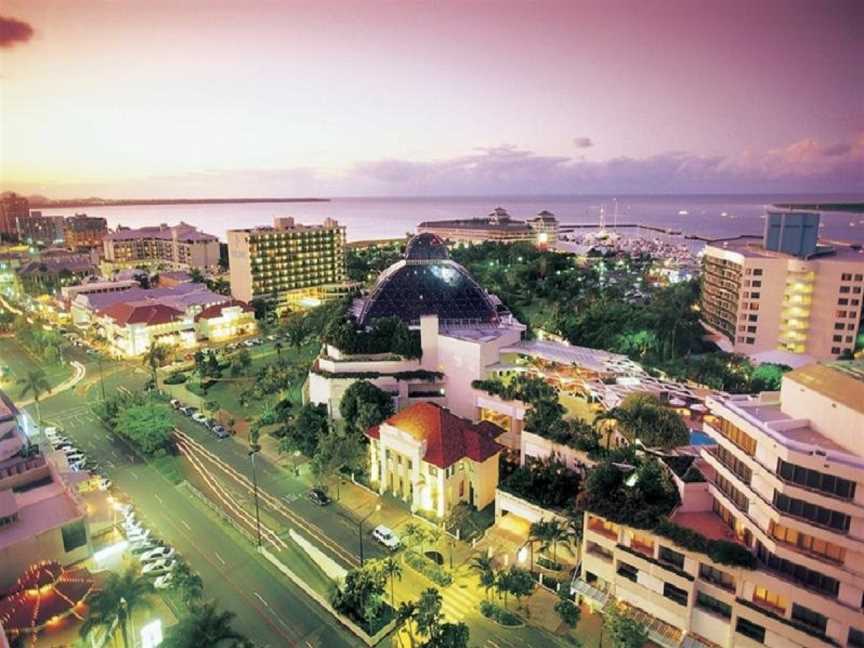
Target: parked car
{"x":188,"y":410}
{"x":384,"y":536}
{"x":249,"y":344}
{"x":78,"y":466}
{"x":104,"y":484}
{"x":158,"y":552}
{"x":158,"y":567}
{"x":319,"y":497}
{"x":199,"y":417}
{"x":126,"y":509}
{"x":175,"y":403}
{"x":221,"y":432}
{"x":76,"y":459}
{"x":140,"y":548}
{"x":164,"y":581}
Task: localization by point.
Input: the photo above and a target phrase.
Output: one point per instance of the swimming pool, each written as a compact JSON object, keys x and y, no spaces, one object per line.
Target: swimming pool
{"x":700,"y":438}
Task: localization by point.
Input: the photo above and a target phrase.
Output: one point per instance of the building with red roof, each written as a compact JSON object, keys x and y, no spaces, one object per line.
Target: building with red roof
{"x":433,"y":459}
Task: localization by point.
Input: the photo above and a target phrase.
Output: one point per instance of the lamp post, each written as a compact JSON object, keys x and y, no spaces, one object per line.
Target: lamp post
{"x":101,"y":374}
{"x":252,"y":452}
{"x":360,"y":529}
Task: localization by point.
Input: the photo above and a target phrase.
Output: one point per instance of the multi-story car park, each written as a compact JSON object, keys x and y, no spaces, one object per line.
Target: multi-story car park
{"x":783,"y":479}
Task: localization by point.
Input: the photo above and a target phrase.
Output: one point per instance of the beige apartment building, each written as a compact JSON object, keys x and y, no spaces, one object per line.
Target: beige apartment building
{"x":802,"y":299}
{"x":178,"y":247}
{"x":785,"y":480}
{"x":290,"y":264}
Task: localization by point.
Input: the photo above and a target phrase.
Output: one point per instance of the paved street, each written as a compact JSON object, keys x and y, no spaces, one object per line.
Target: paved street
{"x":269,"y":610}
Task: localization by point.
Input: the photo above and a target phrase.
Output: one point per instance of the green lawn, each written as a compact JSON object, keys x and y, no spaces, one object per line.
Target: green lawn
{"x":16,"y":361}
{"x":227,"y":390}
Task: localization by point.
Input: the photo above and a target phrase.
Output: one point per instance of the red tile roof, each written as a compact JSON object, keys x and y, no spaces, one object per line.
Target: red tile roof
{"x":148,"y":314}
{"x":216,"y":309}
{"x":448,"y":437}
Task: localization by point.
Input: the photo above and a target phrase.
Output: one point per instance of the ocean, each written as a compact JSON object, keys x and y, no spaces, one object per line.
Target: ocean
{"x":710,"y":216}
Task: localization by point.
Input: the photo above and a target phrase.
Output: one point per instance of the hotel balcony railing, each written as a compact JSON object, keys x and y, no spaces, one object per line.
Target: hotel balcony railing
{"x":792,"y":337}
{"x":795,"y":325}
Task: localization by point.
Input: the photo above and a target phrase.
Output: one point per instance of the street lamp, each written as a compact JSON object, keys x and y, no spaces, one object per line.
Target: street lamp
{"x":255,"y":449}
{"x":360,"y":528}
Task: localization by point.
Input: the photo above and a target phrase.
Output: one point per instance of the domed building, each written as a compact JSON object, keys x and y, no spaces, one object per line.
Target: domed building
{"x":428,"y":282}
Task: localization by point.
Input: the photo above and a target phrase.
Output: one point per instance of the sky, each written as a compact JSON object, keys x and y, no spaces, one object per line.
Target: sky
{"x":231,"y":98}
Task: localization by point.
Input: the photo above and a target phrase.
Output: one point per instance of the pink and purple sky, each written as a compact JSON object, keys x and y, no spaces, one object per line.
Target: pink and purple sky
{"x":240,"y":98}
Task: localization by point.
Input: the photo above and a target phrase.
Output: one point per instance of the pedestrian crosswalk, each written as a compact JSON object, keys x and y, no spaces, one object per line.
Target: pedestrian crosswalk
{"x":459,"y":602}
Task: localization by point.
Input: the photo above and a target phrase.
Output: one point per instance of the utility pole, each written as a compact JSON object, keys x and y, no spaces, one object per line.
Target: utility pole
{"x":255,"y":449}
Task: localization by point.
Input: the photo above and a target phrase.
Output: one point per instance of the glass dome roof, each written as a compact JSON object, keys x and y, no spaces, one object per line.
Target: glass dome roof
{"x":427,"y":282}
{"x":425,"y":247}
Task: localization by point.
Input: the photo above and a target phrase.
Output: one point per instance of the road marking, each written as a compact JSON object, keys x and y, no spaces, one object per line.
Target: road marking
{"x":185,"y":524}
{"x":258,"y":596}
{"x":159,"y":499}
{"x":218,"y":557}
{"x":134,"y":474}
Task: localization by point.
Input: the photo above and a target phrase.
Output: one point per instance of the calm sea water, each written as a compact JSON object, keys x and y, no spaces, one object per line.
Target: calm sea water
{"x":370,"y":218}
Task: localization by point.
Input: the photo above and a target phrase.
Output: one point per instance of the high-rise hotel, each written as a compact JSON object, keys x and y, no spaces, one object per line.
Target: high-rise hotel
{"x":289,"y":264}
{"x":784,"y":477}
{"x":785,"y":291}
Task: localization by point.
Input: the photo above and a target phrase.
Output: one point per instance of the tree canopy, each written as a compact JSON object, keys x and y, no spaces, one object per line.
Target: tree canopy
{"x":364,"y":405}
{"x":147,"y":424}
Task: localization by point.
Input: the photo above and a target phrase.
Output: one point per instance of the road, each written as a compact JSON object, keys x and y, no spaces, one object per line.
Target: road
{"x":270,"y":611}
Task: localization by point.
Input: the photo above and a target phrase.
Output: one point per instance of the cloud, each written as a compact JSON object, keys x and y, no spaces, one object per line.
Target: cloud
{"x":583,"y":142}
{"x":803,"y":166}
{"x":14,"y":31}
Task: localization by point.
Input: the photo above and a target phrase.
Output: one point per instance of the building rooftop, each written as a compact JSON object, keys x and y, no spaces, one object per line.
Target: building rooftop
{"x":593,"y":359}
{"x":180,"y":297}
{"x":841,"y":381}
{"x":706,"y":523}
{"x":287,"y":224}
{"x":752,"y":247}
{"x":449,"y":438}
{"x":45,"y":508}
{"x":216,"y":309}
{"x":182,"y":231}
{"x":137,"y":313}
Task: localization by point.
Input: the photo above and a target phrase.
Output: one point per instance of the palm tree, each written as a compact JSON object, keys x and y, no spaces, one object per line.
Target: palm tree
{"x":392,"y":570}
{"x":557,"y":533}
{"x":278,"y":346}
{"x":405,"y":616}
{"x":154,"y":358}
{"x":608,"y":420}
{"x":206,"y":626}
{"x":482,"y":564}
{"x":112,"y":607}
{"x":34,"y":383}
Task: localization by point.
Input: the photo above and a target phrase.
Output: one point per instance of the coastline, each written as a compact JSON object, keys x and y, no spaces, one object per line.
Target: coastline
{"x":129,"y":202}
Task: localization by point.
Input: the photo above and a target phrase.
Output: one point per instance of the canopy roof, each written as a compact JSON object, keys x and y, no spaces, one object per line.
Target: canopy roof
{"x":46,"y":592}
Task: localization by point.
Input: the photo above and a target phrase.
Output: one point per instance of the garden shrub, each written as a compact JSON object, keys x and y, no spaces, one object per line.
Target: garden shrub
{"x":428,"y":568}
{"x":498,"y":614}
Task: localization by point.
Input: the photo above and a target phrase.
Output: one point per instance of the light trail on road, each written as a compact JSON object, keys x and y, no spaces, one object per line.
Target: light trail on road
{"x":267,"y":533}
{"x":272,"y":501}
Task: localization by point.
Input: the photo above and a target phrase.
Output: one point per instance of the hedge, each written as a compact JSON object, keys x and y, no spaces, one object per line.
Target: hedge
{"x":175,"y":379}
{"x":498,"y":614}
{"x":723,"y":552}
{"x":428,"y":568}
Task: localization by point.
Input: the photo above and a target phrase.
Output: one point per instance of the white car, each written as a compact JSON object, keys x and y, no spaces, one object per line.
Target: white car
{"x":69,"y":449}
{"x":104,"y":484}
{"x":136,"y":534}
{"x":164,"y":581}
{"x":158,"y":567}
{"x":199,"y":417}
{"x":385,"y":537}
{"x":76,"y":459}
{"x":126,"y":509}
{"x":159,"y":552}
